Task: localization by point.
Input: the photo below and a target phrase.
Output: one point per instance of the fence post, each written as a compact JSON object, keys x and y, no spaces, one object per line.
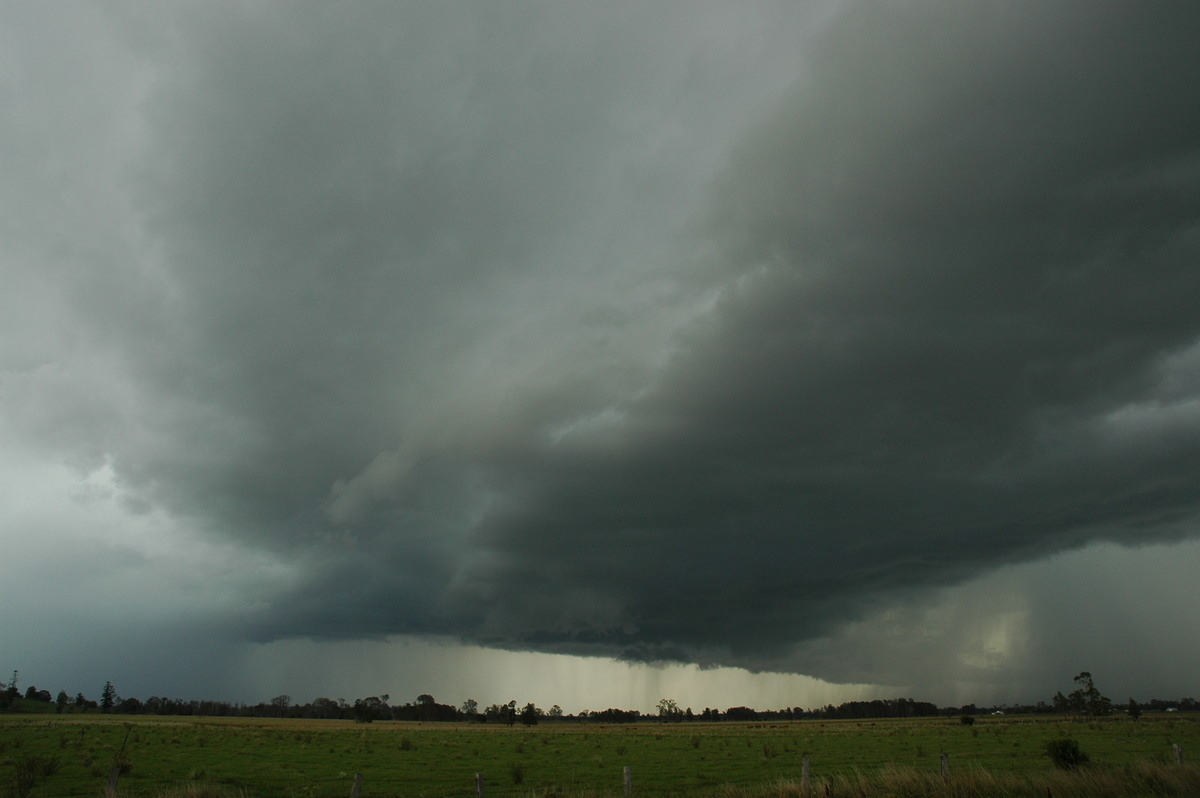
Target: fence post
{"x":113,"y":776}
{"x":628,"y":781}
{"x":478,"y":785}
{"x":356,"y":790}
{"x":945,"y":766}
{"x":1178,"y":752}
{"x":804,"y":775}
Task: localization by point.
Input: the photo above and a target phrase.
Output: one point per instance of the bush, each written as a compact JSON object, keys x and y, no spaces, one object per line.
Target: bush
{"x":1065,"y":754}
{"x":967,"y":720}
{"x":29,"y":770}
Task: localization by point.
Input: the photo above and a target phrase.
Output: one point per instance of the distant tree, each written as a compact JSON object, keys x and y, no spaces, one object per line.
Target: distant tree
{"x":530,"y":714}
{"x":555,"y":712}
{"x":108,"y":697}
{"x":1087,"y":700}
{"x":280,"y":704}
{"x":325,"y":708}
{"x":1135,"y":711}
{"x":612,"y":715}
{"x":366,"y":710}
{"x":669,"y":711}
{"x":12,"y":684}
{"x":740,"y":713}
{"x":60,"y":701}
{"x":470,"y":708}
{"x":427,"y":709}
{"x":34,"y":694}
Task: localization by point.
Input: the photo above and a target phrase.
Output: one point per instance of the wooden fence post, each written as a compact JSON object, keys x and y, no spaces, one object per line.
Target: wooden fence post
{"x":356,"y":790}
{"x":628,"y":781}
{"x":478,"y":785}
{"x":113,"y":776}
{"x":945,"y":766}
{"x":1178,"y":752}
{"x":804,"y":775}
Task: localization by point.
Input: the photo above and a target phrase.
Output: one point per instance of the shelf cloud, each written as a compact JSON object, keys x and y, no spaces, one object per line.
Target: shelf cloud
{"x":626,"y":331}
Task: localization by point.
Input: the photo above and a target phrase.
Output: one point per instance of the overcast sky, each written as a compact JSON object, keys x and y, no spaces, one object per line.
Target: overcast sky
{"x":760,"y":353}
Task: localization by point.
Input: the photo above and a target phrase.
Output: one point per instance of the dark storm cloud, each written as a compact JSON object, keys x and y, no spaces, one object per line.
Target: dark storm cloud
{"x":386,"y":226}
{"x":960,"y":280}
{"x":569,"y":329}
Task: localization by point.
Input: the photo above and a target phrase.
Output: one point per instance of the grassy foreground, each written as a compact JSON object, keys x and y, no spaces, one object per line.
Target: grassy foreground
{"x":72,"y":755}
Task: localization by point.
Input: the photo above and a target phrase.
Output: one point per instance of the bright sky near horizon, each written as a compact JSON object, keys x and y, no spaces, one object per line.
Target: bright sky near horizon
{"x":768,"y":354}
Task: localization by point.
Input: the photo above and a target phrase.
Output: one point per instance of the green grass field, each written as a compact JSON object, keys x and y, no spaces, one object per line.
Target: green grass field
{"x":72,"y":755}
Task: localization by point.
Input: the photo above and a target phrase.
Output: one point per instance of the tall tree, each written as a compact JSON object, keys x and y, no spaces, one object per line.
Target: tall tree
{"x":280,"y":704}
{"x":1087,"y":700}
{"x":669,"y":711}
{"x":108,"y":697}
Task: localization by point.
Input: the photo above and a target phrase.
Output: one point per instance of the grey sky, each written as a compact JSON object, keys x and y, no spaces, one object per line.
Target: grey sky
{"x":842,"y":340}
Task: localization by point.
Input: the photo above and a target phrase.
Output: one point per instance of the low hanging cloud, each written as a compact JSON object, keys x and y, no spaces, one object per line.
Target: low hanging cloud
{"x":571,"y":331}
{"x":953,"y":331}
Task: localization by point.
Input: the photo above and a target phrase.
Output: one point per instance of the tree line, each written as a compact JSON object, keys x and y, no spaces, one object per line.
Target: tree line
{"x":1086,"y":702}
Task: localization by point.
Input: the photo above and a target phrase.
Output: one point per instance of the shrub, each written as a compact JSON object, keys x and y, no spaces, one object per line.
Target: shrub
{"x":29,"y":770}
{"x":1066,"y":754}
{"x":967,"y":720}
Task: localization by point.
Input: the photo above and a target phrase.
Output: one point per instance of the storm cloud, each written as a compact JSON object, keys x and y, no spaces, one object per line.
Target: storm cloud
{"x":621,"y":331}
